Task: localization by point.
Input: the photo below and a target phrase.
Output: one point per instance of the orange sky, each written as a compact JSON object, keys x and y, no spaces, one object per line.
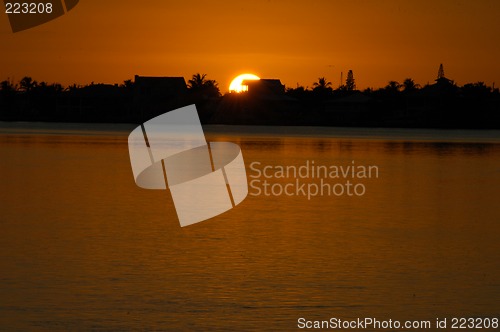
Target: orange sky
{"x":297,"y":41}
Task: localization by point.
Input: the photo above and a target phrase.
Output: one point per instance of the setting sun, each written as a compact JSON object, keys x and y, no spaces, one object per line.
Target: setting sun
{"x":237,"y":83}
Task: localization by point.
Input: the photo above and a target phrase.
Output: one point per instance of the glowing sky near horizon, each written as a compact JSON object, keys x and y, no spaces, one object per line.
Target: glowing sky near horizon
{"x":295,"y":41}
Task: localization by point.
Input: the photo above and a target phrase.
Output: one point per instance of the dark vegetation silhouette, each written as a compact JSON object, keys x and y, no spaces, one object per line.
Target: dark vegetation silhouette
{"x":350,"y":84}
{"x":206,"y":89}
{"x":322,"y":84}
{"x":442,"y":104}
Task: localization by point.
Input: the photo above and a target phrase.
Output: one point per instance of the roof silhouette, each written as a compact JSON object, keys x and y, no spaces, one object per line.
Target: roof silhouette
{"x":265,"y":86}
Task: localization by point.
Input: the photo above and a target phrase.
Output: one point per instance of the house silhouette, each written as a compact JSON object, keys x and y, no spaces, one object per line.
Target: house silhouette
{"x":265,"y":87}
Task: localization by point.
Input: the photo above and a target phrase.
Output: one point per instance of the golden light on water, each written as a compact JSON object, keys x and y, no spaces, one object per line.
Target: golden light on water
{"x":237,"y":83}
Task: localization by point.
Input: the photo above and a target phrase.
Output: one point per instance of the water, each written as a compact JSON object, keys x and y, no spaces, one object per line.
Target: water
{"x":82,"y":247}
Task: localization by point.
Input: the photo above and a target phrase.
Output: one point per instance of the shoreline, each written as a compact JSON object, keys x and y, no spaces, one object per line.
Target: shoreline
{"x":447,"y":135}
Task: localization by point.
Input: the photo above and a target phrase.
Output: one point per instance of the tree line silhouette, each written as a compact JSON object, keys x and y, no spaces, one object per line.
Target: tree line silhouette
{"x":442,"y":104}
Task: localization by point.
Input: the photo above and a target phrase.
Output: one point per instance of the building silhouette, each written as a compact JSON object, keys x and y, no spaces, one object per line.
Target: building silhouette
{"x":441,"y":79}
{"x":265,"y":87}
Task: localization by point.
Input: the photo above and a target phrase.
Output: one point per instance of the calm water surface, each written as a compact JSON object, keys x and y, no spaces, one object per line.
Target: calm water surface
{"x":83,"y":248}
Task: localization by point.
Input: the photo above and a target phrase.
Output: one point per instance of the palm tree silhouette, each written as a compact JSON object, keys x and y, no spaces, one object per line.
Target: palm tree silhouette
{"x":410,"y":85}
{"x":207,"y":88}
{"x":393,"y":86}
{"x":322,"y":84}
{"x":197,"y":81}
